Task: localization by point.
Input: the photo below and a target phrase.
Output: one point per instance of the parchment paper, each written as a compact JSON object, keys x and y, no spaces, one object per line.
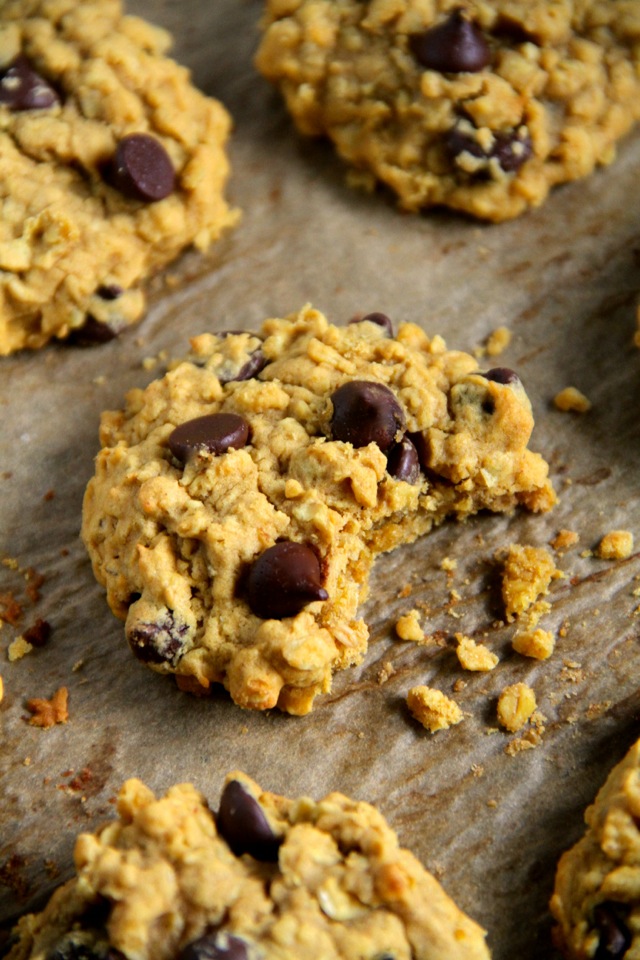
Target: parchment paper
{"x":565,"y":280}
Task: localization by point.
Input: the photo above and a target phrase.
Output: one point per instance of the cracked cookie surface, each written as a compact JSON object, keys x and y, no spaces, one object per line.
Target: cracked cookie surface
{"x":239,"y":501}
{"x":479,"y":106}
{"x":264,"y":878}
{"x":111,"y":163}
{"x":596,"y":900}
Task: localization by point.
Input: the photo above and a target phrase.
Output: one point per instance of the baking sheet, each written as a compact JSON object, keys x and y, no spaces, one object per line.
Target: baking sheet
{"x":565,"y":280}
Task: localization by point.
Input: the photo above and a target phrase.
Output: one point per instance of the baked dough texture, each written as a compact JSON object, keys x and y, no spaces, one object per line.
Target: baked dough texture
{"x":163,"y":883}
{"x":182,"y":547}
{"x":538,"y":96}
{"x":596,"y":900}
{"x":72,"y":245}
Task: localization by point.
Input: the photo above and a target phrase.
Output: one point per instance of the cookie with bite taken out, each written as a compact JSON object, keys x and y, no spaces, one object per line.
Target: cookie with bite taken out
{"x":240,"y":500}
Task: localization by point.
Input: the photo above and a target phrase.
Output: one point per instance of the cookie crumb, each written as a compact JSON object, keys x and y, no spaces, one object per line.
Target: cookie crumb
{"x":516,"y":705}
{"x":498,"y":341}
{"x":615,"y":545}
{"x":474,"y":656}
{"x":572,"y":400}
{"x":527,"y":573}
{"x":449,"y":564}
{"x":433,"y":709}
{"x":47,"y":713}
{"x":408,"y":626}
{"x":405,"y":592}
{"x":385,"y":672}
{"x":18,"y":649}
{"x":536,"y":643}
{"x":564,"y":539}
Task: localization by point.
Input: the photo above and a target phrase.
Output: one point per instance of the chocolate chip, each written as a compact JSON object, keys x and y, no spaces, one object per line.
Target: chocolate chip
{"x":511,"y":148}
{"x":70,"y":950}
{"x":615,"y":938}
{"x":283,"y":580}
{"x":159,"y":641}
{"x":216,"y":945}
{"x":366,"y":412}
{"x":21,"y":88}
{"x":92,"y":333}
{"x":380,"y":318}
{"x":242,"y":823}
{"x":38,"y":634}
{"x":501,"y":375}
{"x":455,"y":46}
{"x":250,"y":369}
{"x":403,"y":462}
{"x":141,"y":168}
{"x":110,"y":291}
{"x":214,"y":433}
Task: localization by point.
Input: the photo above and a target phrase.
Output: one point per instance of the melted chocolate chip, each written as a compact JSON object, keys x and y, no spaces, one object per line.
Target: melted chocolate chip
{"x":283,"y":580}
{"x":615,"y":938}
{"x":141,"y":168}
{"x":455,"y":46}
{"x":21,"y":88}
{"x":214,"y":433}
{"x":381,"y":319}
{"x":403,"y":462}
{"x":216,"y":945}
{"x":501,"y":375}
{"x":242,"y":823}
{"x":157,"y":642}
{"x":511,"y":149}
{"x":365,"y":412}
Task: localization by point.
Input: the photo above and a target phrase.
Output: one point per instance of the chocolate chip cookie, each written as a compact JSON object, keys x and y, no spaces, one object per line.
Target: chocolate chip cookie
{"x":482,"y":107}
{"x":263,"y":878}
{"x":240,"y":500}
{"x":596,"y":900}
{"x":111,"y":163}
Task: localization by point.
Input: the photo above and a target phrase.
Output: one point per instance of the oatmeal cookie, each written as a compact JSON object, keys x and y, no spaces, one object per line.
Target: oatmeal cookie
{"x":480,"y":106}
{"x":240,"y":500}
{"x":264,"y":878}
{"x":111,"y":163}
{"x":596,"y":900}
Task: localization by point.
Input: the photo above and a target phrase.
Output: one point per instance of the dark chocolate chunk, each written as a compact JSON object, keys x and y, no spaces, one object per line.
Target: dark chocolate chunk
{"x":283,"y":580}
{"x":380,"y":318}
{"x":403,"y":462}
{"x":161,"y":641}
{"x":216,"y":945}
{"x":38,"y":634}
{"x":214,"y":433}
{"x":141,"y":168}
{"x":501,"y":375}
{"x":242,"y":823}
{"x":21,"y":88}
{"x":456,"y":46}
{"x":511,"y":148}
{"x":366,"y":412}
{"x":615,"y":938}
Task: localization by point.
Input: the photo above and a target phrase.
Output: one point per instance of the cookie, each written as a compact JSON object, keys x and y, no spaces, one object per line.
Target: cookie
{"x":111,"y":163}
{"x":239,"y":501}
{"x":264,"y":878}
{"x":596,"y":899}
{"x":480,"y":106}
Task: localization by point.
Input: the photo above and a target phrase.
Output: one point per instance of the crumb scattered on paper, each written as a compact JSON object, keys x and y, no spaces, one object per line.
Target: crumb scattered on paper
{"x":474,"y":656}
{"x":408,"y":626}
{"x":536,"y":643}
{"x":615,"y":545}
{"x":572,"y":400}
{"x":433,"y":709}
{"x":564,"y":539}
{"x":527,"y":573}
{"x":46,"y":713}
{"x":516,"y":705}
